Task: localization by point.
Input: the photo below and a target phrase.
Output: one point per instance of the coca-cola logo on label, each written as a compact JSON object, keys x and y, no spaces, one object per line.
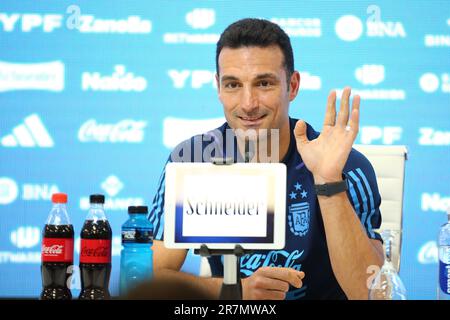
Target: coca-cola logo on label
{"x":125,"y":131}
{"x":57,"y":250}
{"x":97,"y":252}
{"x":53,"y":250}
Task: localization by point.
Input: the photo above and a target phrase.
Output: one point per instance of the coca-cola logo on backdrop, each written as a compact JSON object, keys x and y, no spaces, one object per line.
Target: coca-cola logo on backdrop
{"x":124,"y":131}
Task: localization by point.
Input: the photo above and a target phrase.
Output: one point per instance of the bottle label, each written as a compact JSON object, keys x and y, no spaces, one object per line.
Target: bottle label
{"x":95,"y":251}
{"x":137,"y":235}
{"x":57,"y":250}
{"x":444,"y":277}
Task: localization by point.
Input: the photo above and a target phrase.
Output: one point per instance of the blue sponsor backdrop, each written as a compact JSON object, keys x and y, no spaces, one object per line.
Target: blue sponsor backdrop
{"x":94,"y":94}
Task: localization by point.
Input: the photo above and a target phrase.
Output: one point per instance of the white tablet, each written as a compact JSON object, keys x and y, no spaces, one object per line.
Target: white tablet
{"x":224,"y":205}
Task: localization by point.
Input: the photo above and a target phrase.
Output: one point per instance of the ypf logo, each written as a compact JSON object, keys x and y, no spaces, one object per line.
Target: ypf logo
{"x":201,"y":18}
{"x":8,"y":190}
{"x":25,"y":237}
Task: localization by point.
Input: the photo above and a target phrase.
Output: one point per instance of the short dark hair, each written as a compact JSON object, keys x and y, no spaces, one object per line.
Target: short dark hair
{"x":256,"y":33}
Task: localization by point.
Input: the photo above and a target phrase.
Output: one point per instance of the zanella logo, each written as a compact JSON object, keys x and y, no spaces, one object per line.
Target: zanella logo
{"x":131,"y":25}
{"x":30,"y":133}
{"x":433,"y":137}
{"x":25,"y":237}
{"x":48,"y":76}
{"x":125,"y":131}
{"x":120,"y":80}
{"x":53,"y":250}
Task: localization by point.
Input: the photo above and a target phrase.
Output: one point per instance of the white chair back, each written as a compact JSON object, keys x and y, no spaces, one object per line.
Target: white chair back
{"x":389,"y":165}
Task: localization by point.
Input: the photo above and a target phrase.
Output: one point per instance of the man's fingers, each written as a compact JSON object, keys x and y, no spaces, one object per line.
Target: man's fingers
{"x":330,"y":113}
{"x":289,"y":275}
{"x":269,"y":295}
{"x":343,"y":111}
{"x":354,"y":117}
{"x":300,"y":132}
{"x":272,"y":284}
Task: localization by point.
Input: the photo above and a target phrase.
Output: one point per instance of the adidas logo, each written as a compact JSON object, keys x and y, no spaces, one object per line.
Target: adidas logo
{"x":31,"y":133}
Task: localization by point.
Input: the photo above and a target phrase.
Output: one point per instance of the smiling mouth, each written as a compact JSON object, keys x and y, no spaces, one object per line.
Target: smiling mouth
{"x":252,"y":119}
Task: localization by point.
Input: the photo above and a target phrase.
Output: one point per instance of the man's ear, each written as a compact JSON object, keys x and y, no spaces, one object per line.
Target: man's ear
{"x":294,"y":85}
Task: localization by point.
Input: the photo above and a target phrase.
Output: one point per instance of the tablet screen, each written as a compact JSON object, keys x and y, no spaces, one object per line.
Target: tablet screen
{"x":225,"y":205}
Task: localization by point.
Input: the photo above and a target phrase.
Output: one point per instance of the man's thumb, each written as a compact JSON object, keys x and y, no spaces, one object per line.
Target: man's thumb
{"x":300,"y":132}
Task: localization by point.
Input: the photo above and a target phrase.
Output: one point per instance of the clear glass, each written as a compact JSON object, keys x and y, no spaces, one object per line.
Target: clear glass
{"x":387,"y":284}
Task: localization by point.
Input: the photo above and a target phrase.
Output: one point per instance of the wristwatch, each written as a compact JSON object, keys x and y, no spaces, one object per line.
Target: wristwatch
{"x":329,"y":189}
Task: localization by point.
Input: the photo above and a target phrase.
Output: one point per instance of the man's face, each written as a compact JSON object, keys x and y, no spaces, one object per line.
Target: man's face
{"x":253,"y":87}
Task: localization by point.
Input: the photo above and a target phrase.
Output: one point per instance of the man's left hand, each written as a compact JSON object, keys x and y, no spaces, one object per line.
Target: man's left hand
{"x":326,"y":156}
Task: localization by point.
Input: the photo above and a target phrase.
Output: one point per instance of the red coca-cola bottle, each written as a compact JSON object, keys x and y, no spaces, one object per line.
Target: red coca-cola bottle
{"x":57,"y":251}
{"x":95,"y":252}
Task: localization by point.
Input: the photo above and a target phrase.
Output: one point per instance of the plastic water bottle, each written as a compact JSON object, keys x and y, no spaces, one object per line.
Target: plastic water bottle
{"x":136,"y":259}
{"x":444,"y":260}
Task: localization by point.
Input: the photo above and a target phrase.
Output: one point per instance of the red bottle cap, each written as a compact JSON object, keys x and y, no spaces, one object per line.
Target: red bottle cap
{"x":59,"y":198}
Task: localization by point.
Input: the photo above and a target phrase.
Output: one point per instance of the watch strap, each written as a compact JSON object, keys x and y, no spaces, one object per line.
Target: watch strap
{"x":329,"y":189}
